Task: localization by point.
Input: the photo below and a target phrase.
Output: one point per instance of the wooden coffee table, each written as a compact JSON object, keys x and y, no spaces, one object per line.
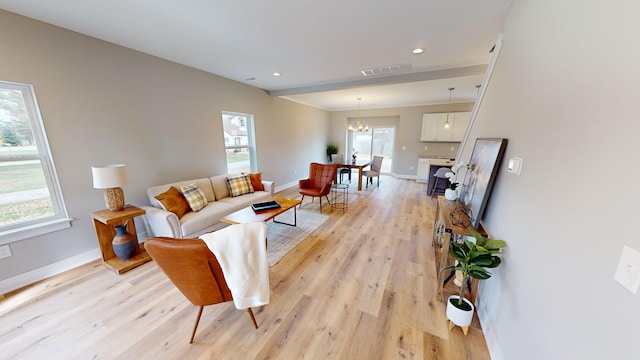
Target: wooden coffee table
{"x":247,"y":215}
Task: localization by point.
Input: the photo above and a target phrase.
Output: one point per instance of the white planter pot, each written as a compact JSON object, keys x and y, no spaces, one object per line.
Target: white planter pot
{"x":450,"y":194}
{"x":459,"y":317}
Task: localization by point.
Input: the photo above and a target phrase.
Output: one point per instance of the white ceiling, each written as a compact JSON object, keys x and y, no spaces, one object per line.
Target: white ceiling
{"x":315,"y":45}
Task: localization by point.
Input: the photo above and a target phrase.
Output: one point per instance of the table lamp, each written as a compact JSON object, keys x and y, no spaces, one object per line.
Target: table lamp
{"x":111,"y":178}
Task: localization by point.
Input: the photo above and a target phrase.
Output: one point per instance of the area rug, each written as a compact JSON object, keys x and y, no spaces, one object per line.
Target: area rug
{"x":353,"y":186}
{"x":282,"y":238}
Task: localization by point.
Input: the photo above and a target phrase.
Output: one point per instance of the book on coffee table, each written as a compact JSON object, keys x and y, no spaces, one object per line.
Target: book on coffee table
{"x":264,"y":206}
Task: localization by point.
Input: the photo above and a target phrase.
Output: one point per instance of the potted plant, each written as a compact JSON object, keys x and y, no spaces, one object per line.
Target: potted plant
{"x":331,"y":149}
{"x":450,"y":192}
{"x":473,"y":260}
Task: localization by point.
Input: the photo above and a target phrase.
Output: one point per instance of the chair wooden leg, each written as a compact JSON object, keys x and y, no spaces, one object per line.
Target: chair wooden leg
{"x":301,"y":201}
{"x":253,"y":319}
{"x":193,"y":333}
{"x":320,"y":204}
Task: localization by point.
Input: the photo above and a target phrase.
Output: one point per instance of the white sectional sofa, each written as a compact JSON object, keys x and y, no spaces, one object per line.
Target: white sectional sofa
{"x":160,"y":222}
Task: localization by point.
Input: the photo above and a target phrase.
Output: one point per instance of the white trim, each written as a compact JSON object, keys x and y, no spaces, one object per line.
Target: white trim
{"x":487,"y":330}
{"x":409,"y":177}
{"x":286,"y":186}
{"x":483,"y":88}
{"x":36,"y":229}
{"x":48,"y":271}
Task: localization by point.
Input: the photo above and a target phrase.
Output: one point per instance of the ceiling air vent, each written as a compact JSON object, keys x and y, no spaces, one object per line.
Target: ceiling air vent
{"x":384,"y":70}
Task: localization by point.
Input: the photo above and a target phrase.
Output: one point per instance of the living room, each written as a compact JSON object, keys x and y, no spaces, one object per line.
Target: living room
{"x":564,"y":70}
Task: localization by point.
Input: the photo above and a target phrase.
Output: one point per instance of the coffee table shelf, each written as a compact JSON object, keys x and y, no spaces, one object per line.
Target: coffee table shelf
{"x":247,"y":215}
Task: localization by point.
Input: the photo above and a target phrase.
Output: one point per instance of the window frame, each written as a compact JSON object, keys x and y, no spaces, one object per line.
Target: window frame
{"x":60,"y":219}
{"x":251,"y":140}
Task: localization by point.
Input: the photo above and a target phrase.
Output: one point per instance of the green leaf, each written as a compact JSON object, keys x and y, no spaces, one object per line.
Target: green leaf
{"x":479,"y":272}
{"x":495,"y":244}
{"x":495,"y":262}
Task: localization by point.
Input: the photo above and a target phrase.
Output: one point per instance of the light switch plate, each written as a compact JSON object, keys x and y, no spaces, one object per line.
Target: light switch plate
{"x":515,"y":165}
{"x":5,"y":251}
{"x":628,"y":271}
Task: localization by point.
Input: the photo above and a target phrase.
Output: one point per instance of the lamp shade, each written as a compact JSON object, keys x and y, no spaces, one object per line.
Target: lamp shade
{"x":109,"y":176}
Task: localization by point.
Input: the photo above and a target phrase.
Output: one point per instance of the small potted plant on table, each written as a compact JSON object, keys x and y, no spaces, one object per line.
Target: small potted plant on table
{"x":473,"y":259}
{"x":450,"y":192}
{"x":331,"y":150}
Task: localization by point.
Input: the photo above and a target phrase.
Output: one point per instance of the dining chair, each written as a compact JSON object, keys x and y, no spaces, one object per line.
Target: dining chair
{"x":376,"y":164}
{"x":339,"y":159}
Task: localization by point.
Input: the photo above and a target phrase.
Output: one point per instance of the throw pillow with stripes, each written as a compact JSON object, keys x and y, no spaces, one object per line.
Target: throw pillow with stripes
{"x":195,"y":197}
{"x":239,"y":185}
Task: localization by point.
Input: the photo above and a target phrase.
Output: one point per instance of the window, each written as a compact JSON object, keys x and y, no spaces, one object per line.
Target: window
{"x":239,"y":142}
{"x":30,"y":198}
{"x":378,"y":141}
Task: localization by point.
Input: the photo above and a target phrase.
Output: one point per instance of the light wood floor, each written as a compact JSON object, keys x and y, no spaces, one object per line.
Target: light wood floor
{"x":362,"y":286}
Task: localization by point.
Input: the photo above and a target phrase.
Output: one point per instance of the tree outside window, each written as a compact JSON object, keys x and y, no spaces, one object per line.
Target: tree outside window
{"x":30,"y":196}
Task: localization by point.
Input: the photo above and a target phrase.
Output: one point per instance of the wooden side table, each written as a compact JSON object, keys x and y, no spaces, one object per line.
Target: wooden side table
{"x":104,"y":222}
{"x":444,"y":211}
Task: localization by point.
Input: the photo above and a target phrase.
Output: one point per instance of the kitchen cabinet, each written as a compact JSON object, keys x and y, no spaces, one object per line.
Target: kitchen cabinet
{"x":423,"y":170}
{"x":433,"y":128}
{"x":460,"y":124}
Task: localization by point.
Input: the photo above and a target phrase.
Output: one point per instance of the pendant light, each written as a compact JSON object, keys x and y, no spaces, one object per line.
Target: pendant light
{"x":446,"y":124}
{"x":359,"y":127}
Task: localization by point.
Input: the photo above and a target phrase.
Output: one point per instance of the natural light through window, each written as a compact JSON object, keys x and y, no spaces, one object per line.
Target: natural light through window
{"x":239,"y":142}
{"x":30,"y":197}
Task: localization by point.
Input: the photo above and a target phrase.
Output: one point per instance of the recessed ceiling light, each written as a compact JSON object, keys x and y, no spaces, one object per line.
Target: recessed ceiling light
{"x":418,"y":51}
{"x":276,"y":74}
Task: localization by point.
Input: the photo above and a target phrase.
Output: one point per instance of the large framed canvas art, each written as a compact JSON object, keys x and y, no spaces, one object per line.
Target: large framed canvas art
{"x":482,"y":172}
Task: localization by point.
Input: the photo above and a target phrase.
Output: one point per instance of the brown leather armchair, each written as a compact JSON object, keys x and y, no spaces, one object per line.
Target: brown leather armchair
{"x":319,"y":182}
{"x":194,"y":270}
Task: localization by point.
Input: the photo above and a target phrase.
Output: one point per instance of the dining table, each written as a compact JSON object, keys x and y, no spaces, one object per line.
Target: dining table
{"x":358,"y":164}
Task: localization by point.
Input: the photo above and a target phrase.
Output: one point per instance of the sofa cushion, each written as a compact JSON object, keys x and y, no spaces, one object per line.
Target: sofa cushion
{"x":173,"y":200}
{"x":247,"y":199}
{"x":195,"y":197}
{"x":256,"y":181}
{"x":204,"y":184}
{"x":195,"y":222}
{"x":239,"y":185}
{"x":219,"y":184}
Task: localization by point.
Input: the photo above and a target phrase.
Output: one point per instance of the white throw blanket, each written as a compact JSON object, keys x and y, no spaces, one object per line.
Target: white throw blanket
{"x":242,"y":253}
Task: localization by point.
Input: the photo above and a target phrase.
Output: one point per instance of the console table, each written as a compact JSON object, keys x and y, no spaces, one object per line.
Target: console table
{"x":445,"y":227}
{"x":104,"y":222}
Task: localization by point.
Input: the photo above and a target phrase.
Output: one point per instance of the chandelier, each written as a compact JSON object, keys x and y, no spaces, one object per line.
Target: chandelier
{"x":359,"y":127}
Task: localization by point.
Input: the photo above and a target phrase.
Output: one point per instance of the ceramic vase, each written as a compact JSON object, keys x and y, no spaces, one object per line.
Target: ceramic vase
{"x":450,"y":194}
{"x":459,"y":317}
{"x":124,"y":244}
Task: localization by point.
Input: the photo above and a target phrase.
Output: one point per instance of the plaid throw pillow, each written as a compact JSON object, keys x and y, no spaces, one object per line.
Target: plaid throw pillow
{"x":239,"y":185}
{"x":195,"y":197}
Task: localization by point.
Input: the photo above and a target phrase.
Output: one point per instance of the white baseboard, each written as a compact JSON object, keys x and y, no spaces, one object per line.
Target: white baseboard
{"x":403,"y":176}
{"x":489,"y":335}
{"x":50,"y":270}
{"x":286,"y":186}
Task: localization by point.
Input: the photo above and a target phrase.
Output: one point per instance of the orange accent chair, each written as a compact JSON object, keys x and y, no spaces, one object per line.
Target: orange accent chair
{"x":194,"y":270}
{"x":319,"y":182}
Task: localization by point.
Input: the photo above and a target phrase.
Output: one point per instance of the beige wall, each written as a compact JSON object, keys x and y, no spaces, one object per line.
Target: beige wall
{"x":102,"y":103}
{"x":409,"y":128}
{"x":564,"y":93}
